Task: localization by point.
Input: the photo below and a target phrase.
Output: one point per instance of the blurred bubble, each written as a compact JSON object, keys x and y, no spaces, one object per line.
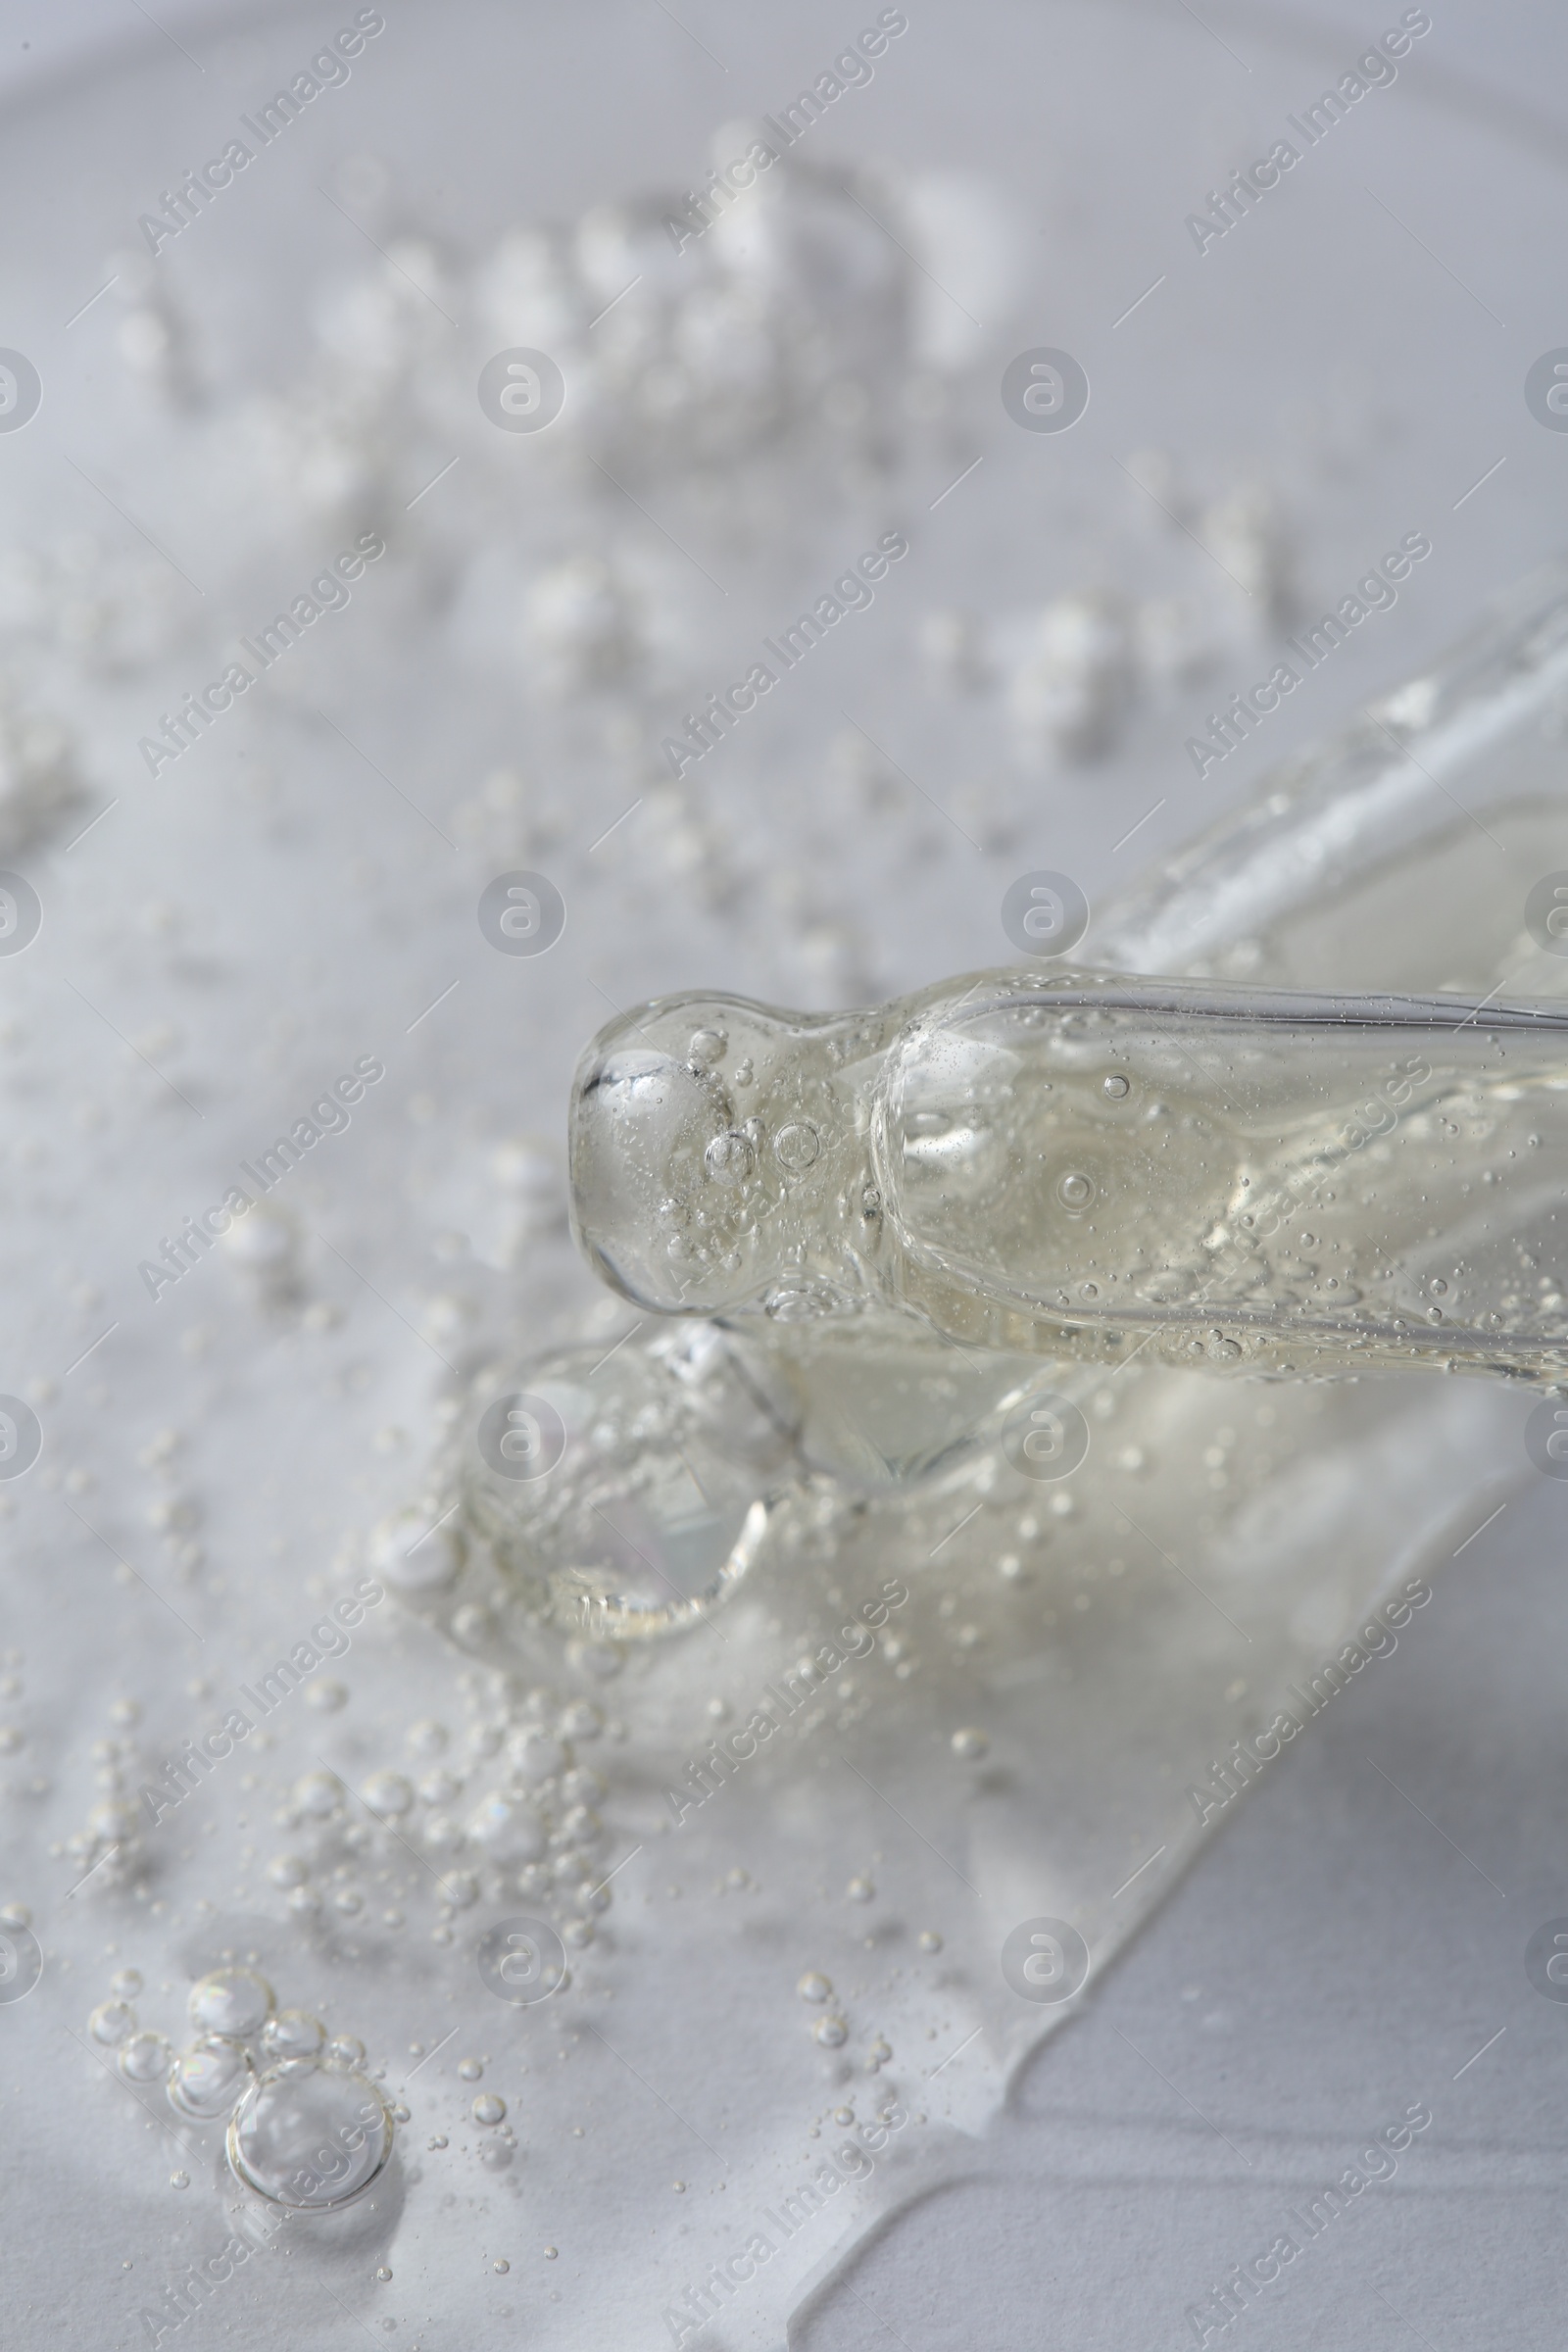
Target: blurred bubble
{"x":145,"y":2058}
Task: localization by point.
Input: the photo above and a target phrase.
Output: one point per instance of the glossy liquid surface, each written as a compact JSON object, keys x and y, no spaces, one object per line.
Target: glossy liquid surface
{"x":1263,"y":1181}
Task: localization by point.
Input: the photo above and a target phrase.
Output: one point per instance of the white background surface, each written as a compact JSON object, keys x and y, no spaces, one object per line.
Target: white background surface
{"x":1342,"y":1949}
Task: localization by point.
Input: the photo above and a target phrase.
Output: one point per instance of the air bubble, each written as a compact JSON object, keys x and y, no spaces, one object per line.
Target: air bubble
{"x":319,"y":1793}
{"x":729,"y":1158}
{"x":796,"y":1146}
{"x":310,"y":2138}
{"x":207,"y":2079}
{"x":388,"y":1795}
{"x":508,"y":1830}
{"x":414,"y":1554}
{"x":292,"y":2033}
{"x":145,"y":2058}
{"x":537,"y":1756}
{"x":231,"y":2002}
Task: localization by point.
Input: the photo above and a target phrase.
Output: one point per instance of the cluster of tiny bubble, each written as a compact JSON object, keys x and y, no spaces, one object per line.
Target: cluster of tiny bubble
{"x":109,"y":1850}
{"x":304,"y":2126}
{"x":508,"y":1814}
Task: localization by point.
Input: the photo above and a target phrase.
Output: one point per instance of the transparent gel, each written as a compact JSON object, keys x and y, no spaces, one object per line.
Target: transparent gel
{"x":898,"y":1225}
{"x":1073,"y":1164}
{"x":800,"y":1419}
